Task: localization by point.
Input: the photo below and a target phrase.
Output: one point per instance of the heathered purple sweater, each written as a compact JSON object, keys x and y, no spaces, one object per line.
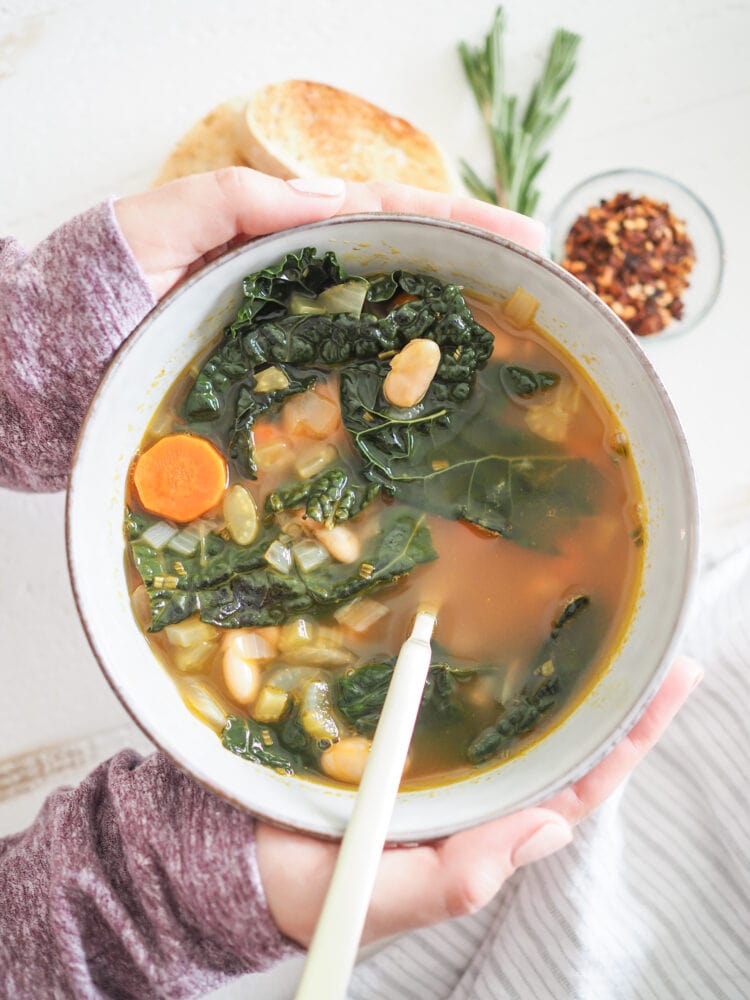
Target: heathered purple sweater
{"x":137,"y":883}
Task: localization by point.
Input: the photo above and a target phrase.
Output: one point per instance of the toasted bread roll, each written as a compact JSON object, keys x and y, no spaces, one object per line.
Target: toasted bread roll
{"x":300,"y":129}
{"x":218,"y":140}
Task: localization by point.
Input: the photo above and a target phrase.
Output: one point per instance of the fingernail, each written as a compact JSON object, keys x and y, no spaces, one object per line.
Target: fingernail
{"x":327,"y":187}
{"x":699,"y":675}
{"x":544,"y":841}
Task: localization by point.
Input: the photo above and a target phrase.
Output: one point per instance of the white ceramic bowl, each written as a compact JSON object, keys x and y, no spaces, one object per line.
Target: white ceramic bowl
{"x":185,"y":322}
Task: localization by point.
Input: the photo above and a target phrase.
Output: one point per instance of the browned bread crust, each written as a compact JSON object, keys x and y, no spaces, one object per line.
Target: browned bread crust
{"x":300,"y":129}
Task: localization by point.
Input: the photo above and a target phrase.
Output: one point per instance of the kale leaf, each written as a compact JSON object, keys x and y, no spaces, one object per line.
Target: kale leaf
{"x":331,"y":497}
{"x":251,"y":405}
{"x":561,"y":660}
{"x":401,"y":546}
{"x":260,"y":744}
{"x":523,"y":382}
{"x":267,"y":292}
{"x":265,"y":333}
{"x":360,"y":694}
{"x":233,"y":586}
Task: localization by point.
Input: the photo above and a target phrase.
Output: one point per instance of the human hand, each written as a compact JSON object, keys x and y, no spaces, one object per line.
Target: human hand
{"x":419,"y":886}
{"x":173,"y":229}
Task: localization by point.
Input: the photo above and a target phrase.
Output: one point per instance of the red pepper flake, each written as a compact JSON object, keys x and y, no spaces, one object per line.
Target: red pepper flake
{"x":636,"y":256}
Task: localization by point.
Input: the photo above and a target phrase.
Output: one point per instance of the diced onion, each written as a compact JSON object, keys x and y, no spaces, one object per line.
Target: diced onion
{"x":316,"y":711}
{"x":290,"y":678}
{"x":329,"y":637}
{"x":312,"y":462}
{"x":290,"y":524}
{"x":304,"y":305}
{"x":521,"y":308}
{"x":309,"y":555}
{"x":158,"y":535}
{"x":361,"y":614}
{"x":206,"y":704}
{"x":190,"y":632}
{"x":270,"y":379}
{"x":186,"y":542}
{"x":300,"y":632}
{"x":279,"y":557}
{"x":311,"y":414}
{"x":240,"y":514}
{"x":319,"y":656}
{"x":275,"y":455}
{"x":195,"y":659}
{"x":270,"y":704}
{"x":346,"y":297}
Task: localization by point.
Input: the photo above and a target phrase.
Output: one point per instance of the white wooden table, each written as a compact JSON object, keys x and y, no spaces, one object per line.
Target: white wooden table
{"x":94,"y":94}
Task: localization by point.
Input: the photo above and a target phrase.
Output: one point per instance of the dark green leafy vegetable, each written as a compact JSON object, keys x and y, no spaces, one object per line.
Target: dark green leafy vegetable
{"x":249,"y":407}
{"x":233,"y":586}
{"x":403,"y":544}
{"x":360,"y":694}
{"x":267,"y":292}
{"x":523,"y":382}
{"x":530,"y":499}
{"x":560,"y":663}
{"x":329,"y":498}
{"x":259,"y":743}
{"x":519,"y":718}
{"x":135,"y":523}
{"x":267,"y":334}
{"x":571,"y":609}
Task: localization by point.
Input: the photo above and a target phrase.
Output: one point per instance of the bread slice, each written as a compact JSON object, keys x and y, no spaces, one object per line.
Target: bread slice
{"x":218,"y":140}
{"x":300,"y":129}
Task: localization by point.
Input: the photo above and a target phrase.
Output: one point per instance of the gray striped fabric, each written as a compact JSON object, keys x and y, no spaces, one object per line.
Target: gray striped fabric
{"x":652,"y":898}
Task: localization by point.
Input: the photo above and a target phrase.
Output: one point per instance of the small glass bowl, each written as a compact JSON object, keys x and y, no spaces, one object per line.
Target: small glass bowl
{"x":702,"y":228}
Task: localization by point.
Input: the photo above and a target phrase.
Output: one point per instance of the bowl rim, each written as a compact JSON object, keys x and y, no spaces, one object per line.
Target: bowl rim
{"x":555,"y":216}
{"x":626,"y":723}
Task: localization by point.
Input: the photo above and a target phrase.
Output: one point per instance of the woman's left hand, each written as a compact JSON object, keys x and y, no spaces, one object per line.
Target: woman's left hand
{"x":174,"y":229}
{"x":418,"y":886}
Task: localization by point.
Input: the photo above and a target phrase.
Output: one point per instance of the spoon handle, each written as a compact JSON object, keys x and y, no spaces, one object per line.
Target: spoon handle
{"x":333,"y":949}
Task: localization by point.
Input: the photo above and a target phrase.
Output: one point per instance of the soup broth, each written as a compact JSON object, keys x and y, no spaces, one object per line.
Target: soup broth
{"x":505,"y":497}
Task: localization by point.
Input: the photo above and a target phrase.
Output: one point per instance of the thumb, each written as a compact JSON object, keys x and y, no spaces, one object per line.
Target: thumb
{"x":171,"y":227}
{"x":424,"y":885}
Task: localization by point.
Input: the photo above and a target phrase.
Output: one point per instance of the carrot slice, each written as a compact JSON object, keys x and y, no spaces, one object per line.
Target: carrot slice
{"x":401,"y":298}
{"x":180,"y":477}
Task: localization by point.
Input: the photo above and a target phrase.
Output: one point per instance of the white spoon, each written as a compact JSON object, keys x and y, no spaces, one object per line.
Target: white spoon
{"x":333,"y":949}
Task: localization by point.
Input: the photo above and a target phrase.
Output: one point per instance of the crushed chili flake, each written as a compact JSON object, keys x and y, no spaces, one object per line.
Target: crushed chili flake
{"x":636,"y":256}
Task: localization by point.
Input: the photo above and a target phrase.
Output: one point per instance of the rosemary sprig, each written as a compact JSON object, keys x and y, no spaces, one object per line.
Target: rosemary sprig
{"x":516,"y":144}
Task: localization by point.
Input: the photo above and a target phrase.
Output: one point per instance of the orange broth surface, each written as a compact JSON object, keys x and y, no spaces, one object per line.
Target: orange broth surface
{"x":497,"y":599}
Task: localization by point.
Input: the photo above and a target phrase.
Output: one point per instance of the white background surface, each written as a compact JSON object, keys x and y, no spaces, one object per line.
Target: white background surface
{"x":93,"y":96}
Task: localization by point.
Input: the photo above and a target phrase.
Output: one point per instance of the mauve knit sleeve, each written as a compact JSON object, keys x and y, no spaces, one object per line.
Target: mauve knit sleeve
{"x":135,"y":884}
{"x":138,"y":883}
{"x":64,"y":309}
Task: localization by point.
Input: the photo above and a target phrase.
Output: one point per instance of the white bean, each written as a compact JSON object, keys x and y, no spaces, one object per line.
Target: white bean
{"x":412,"y":372}
{"x":340,"y":541}
{"x":346,"y":760}
{"x":241,"y":514}
{"x":241,"y":676}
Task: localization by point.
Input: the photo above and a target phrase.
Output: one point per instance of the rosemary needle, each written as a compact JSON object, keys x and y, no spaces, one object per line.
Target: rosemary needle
{"x":516,"y":143}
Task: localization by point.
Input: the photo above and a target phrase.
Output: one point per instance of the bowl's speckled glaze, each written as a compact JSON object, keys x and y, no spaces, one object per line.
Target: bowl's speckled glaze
{"x":185,"y":322}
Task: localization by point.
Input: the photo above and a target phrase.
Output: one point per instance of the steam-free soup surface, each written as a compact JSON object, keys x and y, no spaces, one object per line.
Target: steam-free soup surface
{"x":516,"y":512}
